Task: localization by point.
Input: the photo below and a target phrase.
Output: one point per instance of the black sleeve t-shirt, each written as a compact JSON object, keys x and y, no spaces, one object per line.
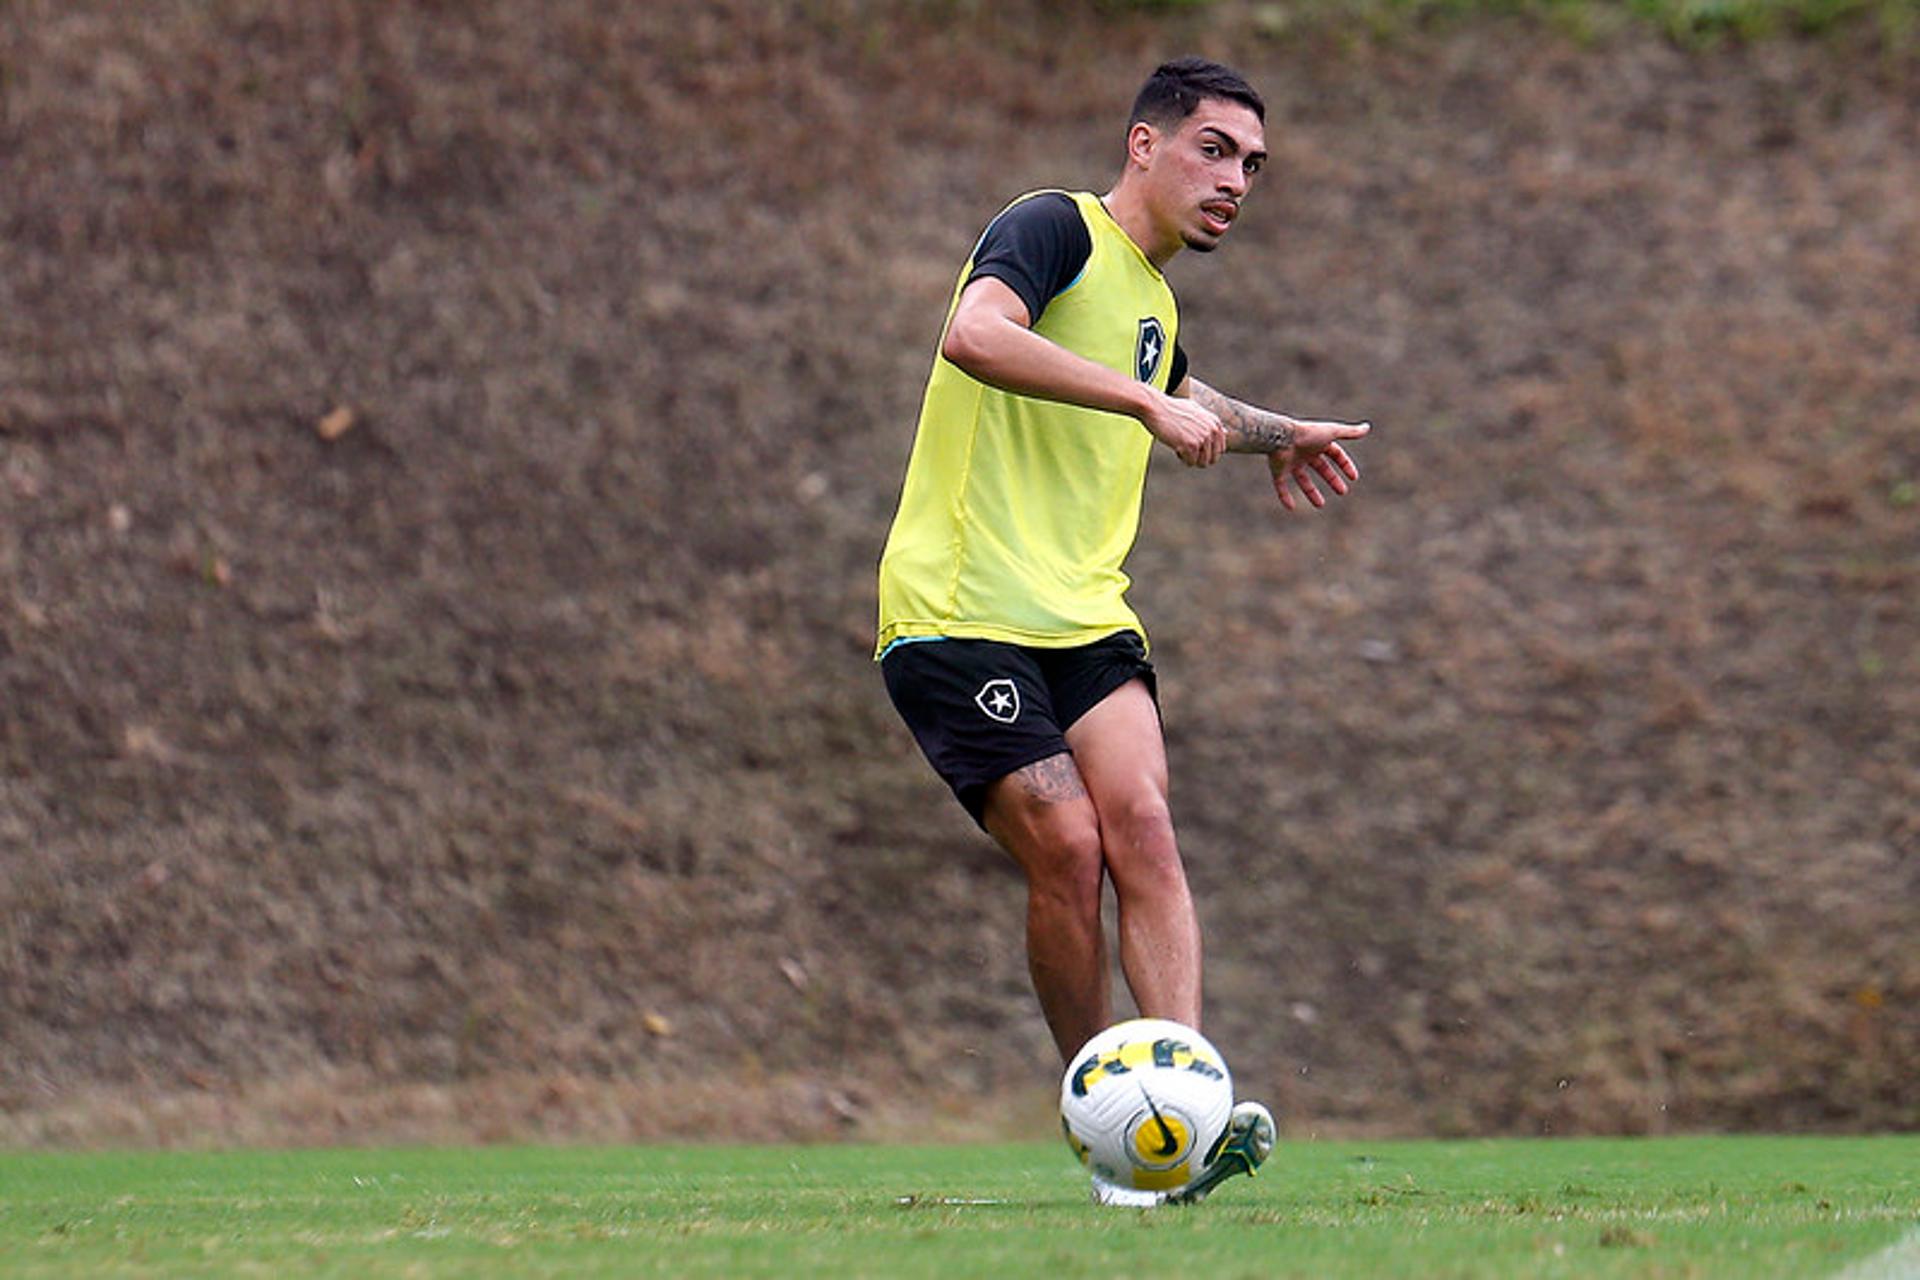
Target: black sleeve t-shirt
{"x":1037,"y":248}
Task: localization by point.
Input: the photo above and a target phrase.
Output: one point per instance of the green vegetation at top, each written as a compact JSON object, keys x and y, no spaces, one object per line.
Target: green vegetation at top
{"x":1688,"y":22}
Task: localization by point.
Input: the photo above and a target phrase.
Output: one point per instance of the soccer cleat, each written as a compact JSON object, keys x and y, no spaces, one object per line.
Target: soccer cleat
{"x":1249,"y":1141}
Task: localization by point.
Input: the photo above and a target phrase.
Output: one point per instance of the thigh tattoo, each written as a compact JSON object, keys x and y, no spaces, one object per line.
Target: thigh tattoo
{"x":1053,"y":780}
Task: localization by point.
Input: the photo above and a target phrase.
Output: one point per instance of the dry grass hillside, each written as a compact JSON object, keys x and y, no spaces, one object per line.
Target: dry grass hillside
{"x":444,"y":450}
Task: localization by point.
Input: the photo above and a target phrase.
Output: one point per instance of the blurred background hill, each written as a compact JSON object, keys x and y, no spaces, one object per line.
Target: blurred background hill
{"x":444,"y":450}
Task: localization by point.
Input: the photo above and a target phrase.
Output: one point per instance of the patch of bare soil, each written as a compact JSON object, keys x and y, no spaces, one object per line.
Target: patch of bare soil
{"x":444,"y":451}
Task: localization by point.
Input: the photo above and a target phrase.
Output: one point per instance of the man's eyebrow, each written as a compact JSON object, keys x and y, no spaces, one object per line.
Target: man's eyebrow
{"x":1232,"y":143}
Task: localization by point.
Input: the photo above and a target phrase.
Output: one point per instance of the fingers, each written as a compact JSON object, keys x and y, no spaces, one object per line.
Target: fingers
{"x":1338,"y":430}
{"x":1280,"y":490}
{"x":1203,"y":452}
{"x":1215,"y":446}
{"x":1208,"y":449}
{"x":1335,"y":478}
{"x":1308,"y":478}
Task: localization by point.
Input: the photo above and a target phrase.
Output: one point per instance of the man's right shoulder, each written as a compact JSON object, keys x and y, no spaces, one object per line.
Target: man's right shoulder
{"x":1047,"y":206}
{"x":1037,"y":246}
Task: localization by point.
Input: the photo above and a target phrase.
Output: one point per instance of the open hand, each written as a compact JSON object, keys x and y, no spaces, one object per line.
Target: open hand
{"x":1316,"y":451}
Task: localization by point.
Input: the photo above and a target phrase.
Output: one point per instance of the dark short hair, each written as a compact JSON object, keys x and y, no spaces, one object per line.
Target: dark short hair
{"x":1175,"y":88}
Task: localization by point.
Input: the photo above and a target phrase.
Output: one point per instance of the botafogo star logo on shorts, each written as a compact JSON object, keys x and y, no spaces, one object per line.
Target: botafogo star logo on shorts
{"x":1149,"y":348}
{"x":1000,"y":700}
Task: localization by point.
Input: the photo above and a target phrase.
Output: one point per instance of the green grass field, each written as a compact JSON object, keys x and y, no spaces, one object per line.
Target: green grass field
{"x":1658,"y":1207}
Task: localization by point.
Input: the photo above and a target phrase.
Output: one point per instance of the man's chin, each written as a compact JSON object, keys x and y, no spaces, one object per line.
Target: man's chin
{"x":1200,"y":242}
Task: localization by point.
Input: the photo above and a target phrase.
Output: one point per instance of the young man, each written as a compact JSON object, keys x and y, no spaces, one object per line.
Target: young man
{"x":1005,"y":638}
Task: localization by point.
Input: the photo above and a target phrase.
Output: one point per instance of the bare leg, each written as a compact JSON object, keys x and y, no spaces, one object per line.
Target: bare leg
{"x":1043,"y":816}
{"x":1122,"y":759}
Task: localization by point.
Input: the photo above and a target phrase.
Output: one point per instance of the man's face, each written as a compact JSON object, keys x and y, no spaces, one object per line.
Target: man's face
{"x":1203,"y":169}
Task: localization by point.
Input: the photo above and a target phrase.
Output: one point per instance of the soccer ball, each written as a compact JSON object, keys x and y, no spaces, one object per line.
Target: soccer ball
{"x":1145,"y":1104}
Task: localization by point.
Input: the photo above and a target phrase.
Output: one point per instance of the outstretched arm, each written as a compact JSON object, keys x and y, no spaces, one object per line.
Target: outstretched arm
{"x":1296,"y":448}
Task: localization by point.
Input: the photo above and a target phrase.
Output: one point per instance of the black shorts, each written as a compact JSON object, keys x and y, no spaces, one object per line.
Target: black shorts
{"x":981,"y":709}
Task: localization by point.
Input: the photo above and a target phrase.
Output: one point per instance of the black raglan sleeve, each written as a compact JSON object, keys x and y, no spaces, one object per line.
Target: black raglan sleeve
{"x":1036,"y":248}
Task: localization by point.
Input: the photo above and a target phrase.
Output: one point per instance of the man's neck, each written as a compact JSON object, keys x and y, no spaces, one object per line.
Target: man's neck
{"x":1126,"y":208}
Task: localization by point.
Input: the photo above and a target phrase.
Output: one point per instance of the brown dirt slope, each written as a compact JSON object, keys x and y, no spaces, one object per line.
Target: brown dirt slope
{"x":501,"y":756}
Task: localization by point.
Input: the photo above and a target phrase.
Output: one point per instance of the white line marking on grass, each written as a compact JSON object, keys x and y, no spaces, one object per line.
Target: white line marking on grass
{"x":1898,"y":1261}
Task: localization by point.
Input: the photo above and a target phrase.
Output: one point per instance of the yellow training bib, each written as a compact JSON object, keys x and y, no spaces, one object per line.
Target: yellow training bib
{"x":1017,"y":513}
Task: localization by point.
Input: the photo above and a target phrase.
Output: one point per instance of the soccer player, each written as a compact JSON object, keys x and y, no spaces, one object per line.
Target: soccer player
{"x":1005,"y":638}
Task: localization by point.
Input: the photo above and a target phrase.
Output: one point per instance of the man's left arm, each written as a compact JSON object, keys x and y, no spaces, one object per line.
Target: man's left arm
{"x":1296,"y":448}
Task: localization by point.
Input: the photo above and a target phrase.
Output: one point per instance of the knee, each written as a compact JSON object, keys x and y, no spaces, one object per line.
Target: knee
{"x":1141,"y":823}
{"x":1067,"y":861}
{"x":1141,"y":850}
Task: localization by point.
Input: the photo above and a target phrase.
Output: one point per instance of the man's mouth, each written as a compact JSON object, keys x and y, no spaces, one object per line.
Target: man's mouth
{"x":1219,"y":215}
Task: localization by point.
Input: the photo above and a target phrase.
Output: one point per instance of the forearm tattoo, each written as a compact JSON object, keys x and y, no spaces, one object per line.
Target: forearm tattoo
{"x":1250,"y":429}
{"x":1052,"y":780}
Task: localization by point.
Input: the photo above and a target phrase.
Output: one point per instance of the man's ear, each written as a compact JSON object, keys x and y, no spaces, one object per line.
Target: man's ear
{"x":1142,"y":138}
